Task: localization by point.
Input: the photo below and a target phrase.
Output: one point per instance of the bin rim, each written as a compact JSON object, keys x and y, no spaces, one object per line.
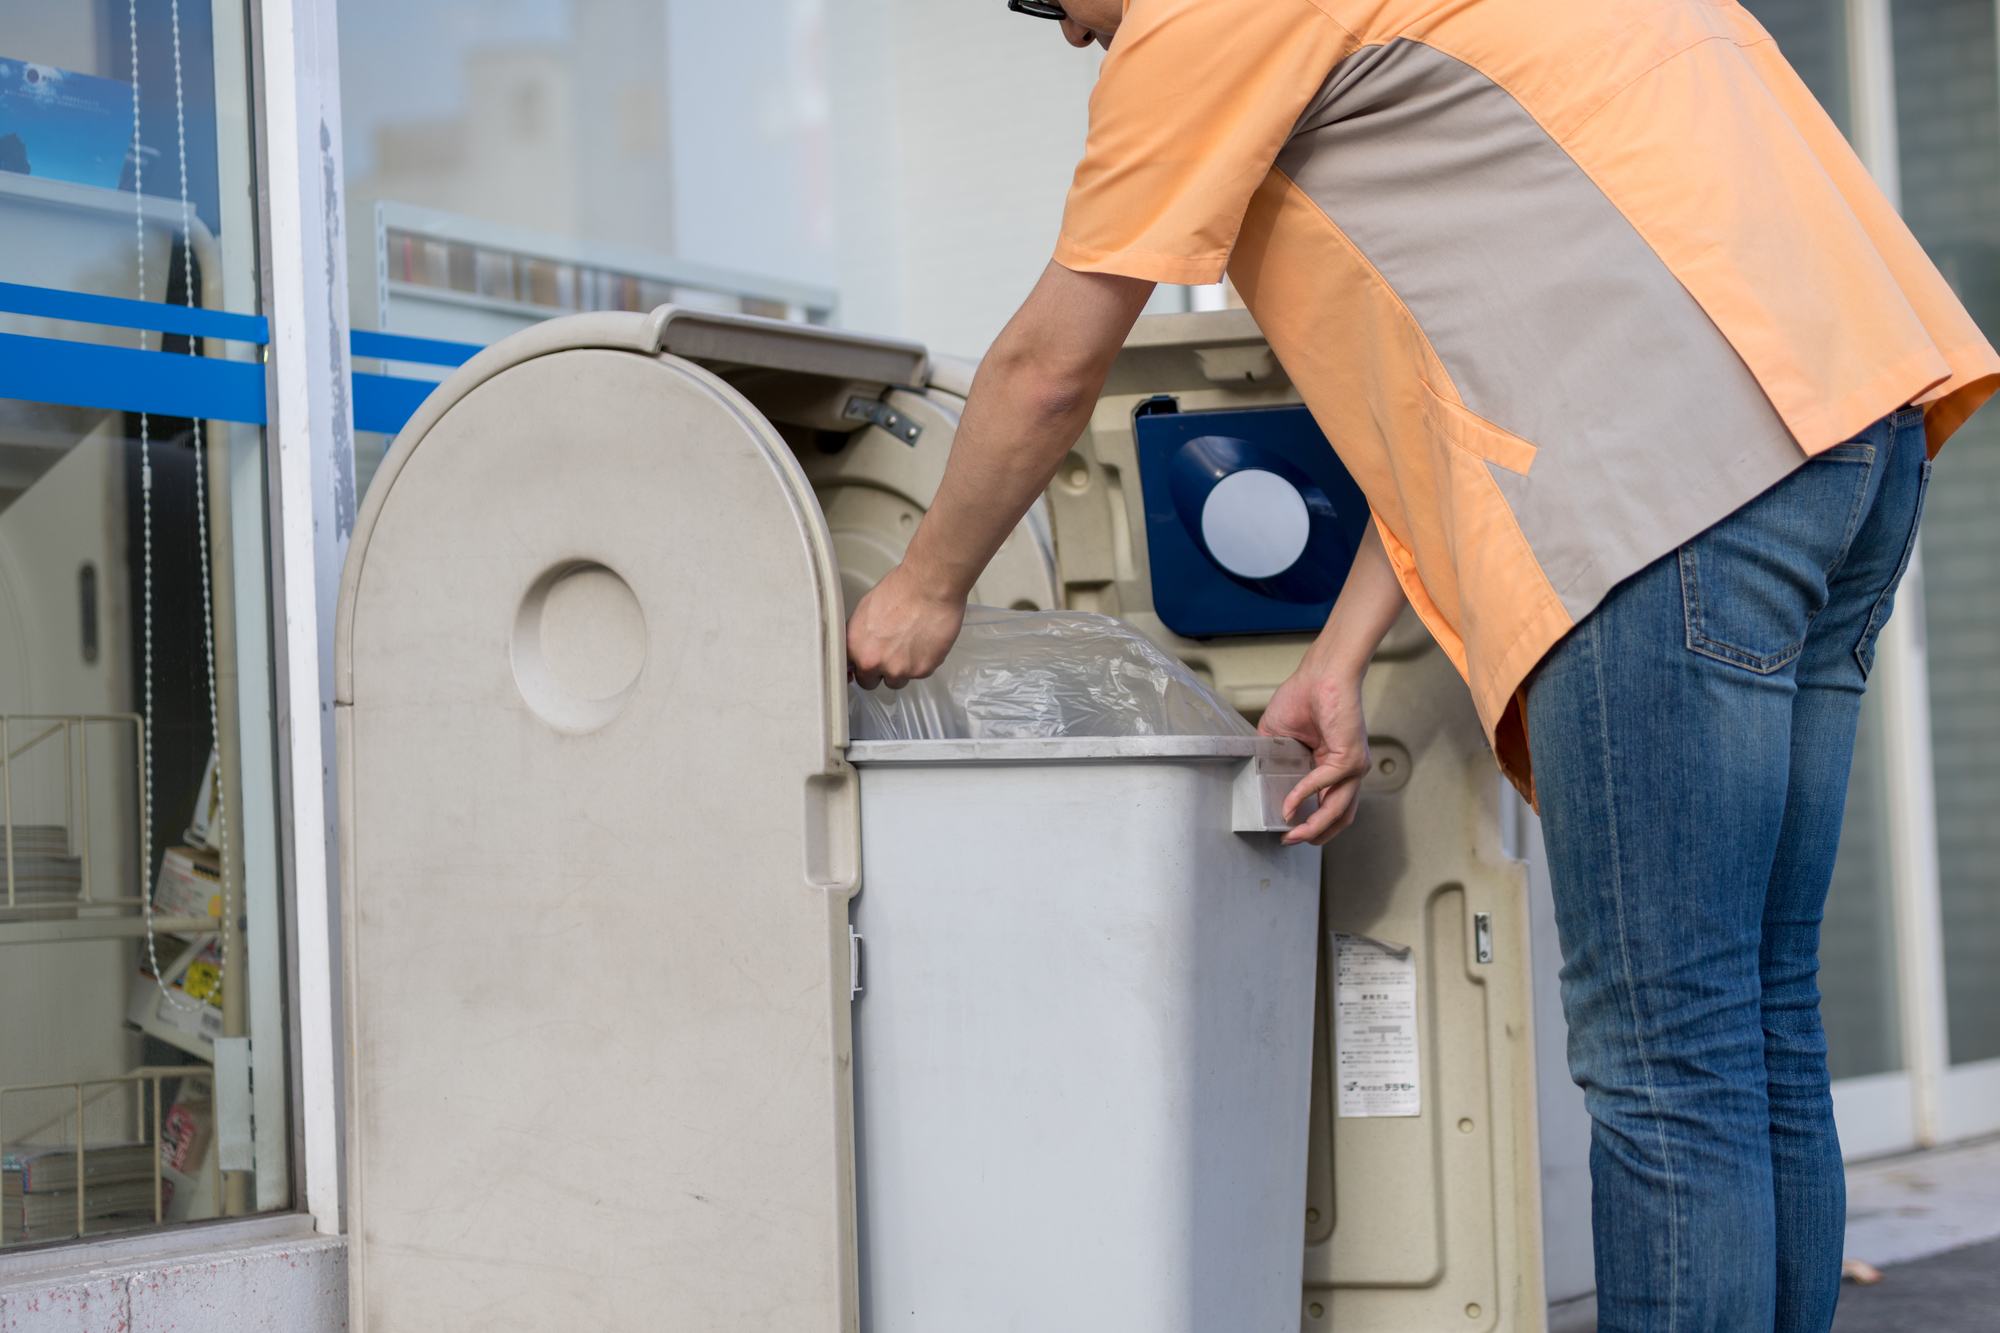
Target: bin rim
{"x":1072,"y":749}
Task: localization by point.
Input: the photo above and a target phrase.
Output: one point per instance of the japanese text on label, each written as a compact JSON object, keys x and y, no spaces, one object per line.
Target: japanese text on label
{"x":1374,"y":1028}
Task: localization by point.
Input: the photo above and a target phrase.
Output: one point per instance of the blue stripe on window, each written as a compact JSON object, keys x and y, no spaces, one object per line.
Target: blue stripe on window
{"x":87,"y":374}
{"x":422,"y":351}
{"x":50,"y":370}
{"x":386,"y":403}
{"x":50,"y":303}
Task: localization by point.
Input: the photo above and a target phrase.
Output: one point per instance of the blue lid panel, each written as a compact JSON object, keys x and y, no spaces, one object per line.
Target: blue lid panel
{"x":1203,"y":584}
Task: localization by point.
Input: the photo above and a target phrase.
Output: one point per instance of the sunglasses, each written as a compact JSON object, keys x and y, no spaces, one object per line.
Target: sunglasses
{"x":1037,"y":9}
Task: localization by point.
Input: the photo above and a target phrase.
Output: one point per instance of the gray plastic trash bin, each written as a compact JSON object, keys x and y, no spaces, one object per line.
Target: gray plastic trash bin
{"x":1084,"y":1039}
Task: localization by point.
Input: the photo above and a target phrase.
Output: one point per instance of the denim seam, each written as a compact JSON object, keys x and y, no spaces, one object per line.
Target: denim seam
{"x":1864,"y":654}
{"x":1690,"y":569}
{"x":1630,"y":987}
{"x":1855,"y":517}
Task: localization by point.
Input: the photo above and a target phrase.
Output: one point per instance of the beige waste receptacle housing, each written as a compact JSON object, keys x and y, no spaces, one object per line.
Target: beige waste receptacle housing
{"x":600,"y":838}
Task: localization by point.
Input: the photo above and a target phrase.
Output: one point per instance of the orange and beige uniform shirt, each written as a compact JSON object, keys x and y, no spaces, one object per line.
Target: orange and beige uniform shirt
{"x":1565,"y":282}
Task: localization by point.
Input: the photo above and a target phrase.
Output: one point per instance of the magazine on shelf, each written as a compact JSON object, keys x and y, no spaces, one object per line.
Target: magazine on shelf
{"x":205,"y":828}
{"x":185,"y":1135}
{"x":38,"y":1201}
{"x":39,"y":1170}
{"x":190,"y":883}
{"x":114,"y":1207}
{"x":116,"y":1196}
{"x":189,"y":1013}
{"x":45,"y":875}
{"x":184,"y":1132}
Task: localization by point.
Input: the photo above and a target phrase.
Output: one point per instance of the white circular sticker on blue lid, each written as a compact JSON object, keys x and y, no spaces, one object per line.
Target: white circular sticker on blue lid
{"x":1255,"y":524}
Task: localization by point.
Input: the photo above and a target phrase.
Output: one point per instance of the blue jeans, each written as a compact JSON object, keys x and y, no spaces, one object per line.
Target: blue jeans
{"x":1691,"y":740}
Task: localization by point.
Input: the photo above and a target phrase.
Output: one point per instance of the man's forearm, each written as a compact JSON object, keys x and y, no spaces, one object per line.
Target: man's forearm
{"x":1320,"y":704}
{"x":1031,"y":399}
{"x":1368,"y":605}
{"x":1009,"y":444}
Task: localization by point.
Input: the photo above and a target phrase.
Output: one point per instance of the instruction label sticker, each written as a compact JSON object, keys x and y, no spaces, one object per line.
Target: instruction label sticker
{"x":1375,"y":1027}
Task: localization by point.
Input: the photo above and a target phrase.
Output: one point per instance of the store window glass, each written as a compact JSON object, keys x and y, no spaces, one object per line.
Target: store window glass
{"x":1857,"y":976}
{"x":1948,"y":126}
{"x":512,"y":160}
{"x":142,"y":1029}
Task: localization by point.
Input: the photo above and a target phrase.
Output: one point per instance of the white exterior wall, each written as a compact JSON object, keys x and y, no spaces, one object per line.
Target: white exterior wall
{"x":956,"y":128}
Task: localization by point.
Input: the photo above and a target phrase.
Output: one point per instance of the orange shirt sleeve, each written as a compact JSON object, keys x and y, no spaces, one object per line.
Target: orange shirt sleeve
{"x":1192,"y":104}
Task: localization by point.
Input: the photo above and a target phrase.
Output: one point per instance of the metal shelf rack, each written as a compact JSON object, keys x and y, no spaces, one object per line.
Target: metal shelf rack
{"x":88,"y":916}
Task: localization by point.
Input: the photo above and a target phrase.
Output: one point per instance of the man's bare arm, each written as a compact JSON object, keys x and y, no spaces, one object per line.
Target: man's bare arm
{"x":1030,"y":401}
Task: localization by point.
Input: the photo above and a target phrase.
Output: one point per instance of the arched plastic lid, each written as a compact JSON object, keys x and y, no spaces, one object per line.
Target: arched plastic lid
{"x":598,"y":840}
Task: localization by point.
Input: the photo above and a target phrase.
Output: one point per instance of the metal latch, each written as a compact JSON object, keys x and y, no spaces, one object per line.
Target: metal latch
{"x":879,"y":413}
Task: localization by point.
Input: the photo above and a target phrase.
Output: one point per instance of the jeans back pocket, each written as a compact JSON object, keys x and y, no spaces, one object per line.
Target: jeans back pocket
{"x":1752,"y":584}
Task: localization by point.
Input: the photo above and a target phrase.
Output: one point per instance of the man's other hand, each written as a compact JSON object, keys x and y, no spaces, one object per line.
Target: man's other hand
{"x":1323,"y":710}
{"x":900,"y":632}
{"x":1321,"y":703}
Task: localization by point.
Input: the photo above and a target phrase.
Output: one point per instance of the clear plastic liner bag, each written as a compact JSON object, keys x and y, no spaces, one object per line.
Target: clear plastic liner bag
{"x":1017,"y":675}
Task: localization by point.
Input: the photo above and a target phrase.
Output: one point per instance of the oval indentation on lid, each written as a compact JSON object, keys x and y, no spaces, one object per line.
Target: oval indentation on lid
{"x":579,"y":645}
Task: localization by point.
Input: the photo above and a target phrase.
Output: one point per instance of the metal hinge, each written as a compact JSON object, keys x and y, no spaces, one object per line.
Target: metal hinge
{"x":1482,"y":936}
{"x":853,"y":964}
{"x":881,"y":414}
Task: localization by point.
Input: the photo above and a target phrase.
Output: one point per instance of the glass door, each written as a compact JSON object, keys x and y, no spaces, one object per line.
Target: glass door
{"x":142,"y":1050}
